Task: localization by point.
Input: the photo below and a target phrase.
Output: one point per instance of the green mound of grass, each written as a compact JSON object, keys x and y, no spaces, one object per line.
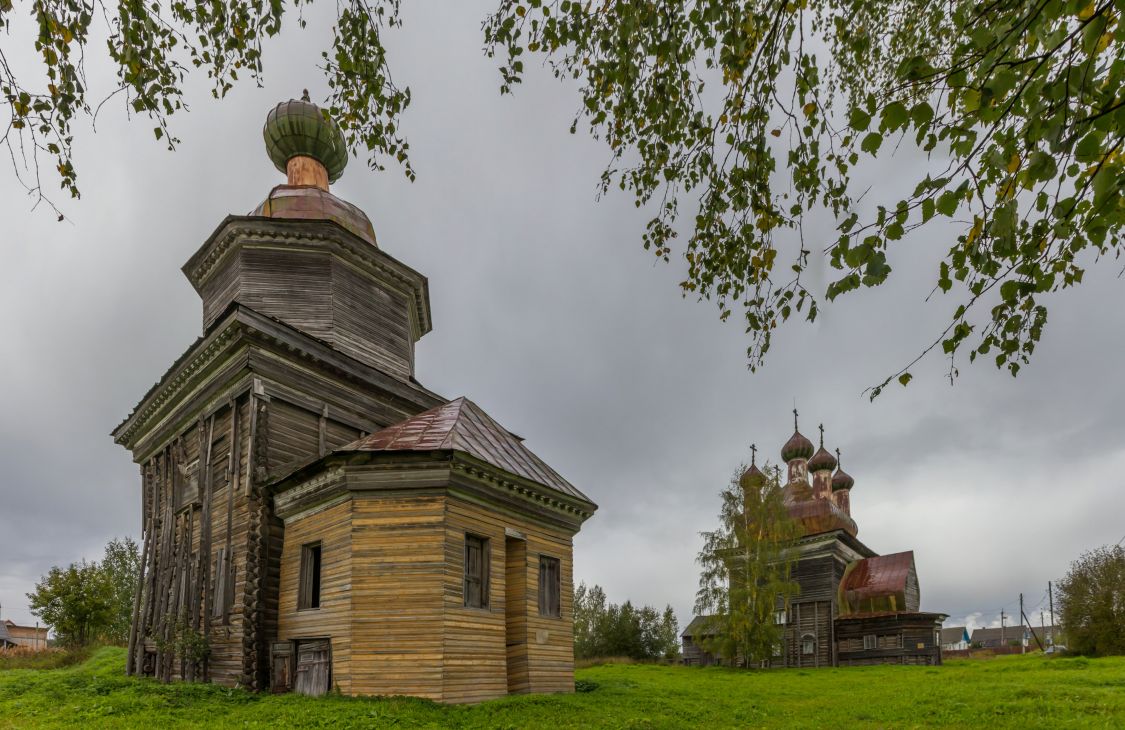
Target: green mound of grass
{"x":1015,"y":692}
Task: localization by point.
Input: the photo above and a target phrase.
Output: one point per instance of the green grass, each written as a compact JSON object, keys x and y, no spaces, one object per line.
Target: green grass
{"x":1017,"y":692}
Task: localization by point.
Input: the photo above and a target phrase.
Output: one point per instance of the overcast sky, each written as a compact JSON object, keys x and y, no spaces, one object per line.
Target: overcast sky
{"x":550,"y":315}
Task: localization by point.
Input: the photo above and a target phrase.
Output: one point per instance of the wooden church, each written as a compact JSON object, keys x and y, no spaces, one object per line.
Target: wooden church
{"x":854,"y":606}
{"x":313,"y":517}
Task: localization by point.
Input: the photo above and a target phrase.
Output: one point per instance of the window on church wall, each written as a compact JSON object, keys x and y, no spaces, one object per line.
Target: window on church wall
{"x":870,"y":641}
{"x":308,"y":590}
{"x":808,"y":644}
{"x":188,"y":487}
{"x":779,"y":617}
{"x":476,"y":571}
{"x":550,"y":587}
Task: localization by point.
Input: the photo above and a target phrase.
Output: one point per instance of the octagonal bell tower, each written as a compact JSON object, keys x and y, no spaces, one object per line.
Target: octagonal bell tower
{"x":330,"y":281}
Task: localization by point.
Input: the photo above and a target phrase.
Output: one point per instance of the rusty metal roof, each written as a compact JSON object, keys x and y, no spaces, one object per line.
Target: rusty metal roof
{"x":877,"y":583}
{"x":462,"y":425}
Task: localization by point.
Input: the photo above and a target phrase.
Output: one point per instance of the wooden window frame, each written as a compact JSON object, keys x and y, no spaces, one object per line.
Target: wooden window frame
{"x":481,"y":582}
{"x":550,"y":587}
{"x":874,"y":642}
{"x":310,"y":580}
{"x":779,"y":617}
{"x":807,"y":639}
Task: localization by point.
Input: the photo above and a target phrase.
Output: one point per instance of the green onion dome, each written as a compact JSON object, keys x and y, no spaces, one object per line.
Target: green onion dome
{"x":299,"y":127}
{"x":797,"y":447}
{"x":841,"y":480}
{"x":822,"y":460}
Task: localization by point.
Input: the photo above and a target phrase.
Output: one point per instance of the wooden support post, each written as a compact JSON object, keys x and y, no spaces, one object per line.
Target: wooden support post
{"x":206,"y":483}
{"x":131,"y":665}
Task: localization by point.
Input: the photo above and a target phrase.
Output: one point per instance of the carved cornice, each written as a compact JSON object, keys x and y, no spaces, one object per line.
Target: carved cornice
{"x":240,"y":325}
{"x":521,"y":489}
{"x":169,"y":388}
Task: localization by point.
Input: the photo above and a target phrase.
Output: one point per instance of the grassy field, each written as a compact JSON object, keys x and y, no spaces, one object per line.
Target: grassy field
{"x":1012,"y":691}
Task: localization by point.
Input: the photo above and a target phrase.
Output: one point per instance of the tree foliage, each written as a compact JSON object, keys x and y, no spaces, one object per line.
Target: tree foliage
{"x":729,"y":110}
{"x":90,"y":601}
{"x":731,"y":120}
{"x":745,"y":573}
{"x":1092,"y":602}
{"x":76,"y":602}
{"x":121,"y":566}
{"x":603,"y":629}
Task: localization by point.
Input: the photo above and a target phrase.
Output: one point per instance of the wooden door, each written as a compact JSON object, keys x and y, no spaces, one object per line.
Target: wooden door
{"x":314,"y":667}
{"x":281,"y":667}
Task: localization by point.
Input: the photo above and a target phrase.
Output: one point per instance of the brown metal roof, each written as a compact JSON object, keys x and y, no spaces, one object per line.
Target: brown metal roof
{"x":877,"y":583}
{"x":462,"y":425}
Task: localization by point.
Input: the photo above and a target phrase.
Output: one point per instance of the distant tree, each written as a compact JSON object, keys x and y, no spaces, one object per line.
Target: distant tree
{"x":121,"y":566}
{"x":604,"y":629}
{"x":746,"y":570}
{"x":90,"y":601}
{"x":1092,"y":602}
{"x":77,"y":602}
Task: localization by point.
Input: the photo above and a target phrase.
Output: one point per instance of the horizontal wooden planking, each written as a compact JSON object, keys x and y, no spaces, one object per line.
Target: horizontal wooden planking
{"x":398,"y":614}
{"x":332,"y":529}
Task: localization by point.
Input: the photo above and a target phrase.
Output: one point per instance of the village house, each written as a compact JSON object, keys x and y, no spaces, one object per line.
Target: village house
{"x":13,"y":635}
{"x":954,"y":638}
{"x":855,"y":607}
{"x":1014,"y":636}
{"x":313,"y":516}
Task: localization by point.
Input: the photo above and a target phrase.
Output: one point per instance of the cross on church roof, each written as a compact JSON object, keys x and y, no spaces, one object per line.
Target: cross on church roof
{"x":821,"y":427}
{"x":753,"y":454}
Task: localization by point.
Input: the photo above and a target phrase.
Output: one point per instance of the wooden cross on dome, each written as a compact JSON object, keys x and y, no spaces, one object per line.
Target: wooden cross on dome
{"x":821,"y":427}
{"x":753,"y":454}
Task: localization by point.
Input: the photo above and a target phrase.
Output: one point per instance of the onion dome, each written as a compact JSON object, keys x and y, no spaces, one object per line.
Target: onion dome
{"x":822,"y":460}
{"x":797,"y":447}
{"x":298,"y":128}
{"x":841,"y":479}
{"x":753,"y":476}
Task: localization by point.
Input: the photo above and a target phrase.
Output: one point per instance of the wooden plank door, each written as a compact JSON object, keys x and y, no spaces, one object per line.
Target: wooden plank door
{"x":314,"y":667}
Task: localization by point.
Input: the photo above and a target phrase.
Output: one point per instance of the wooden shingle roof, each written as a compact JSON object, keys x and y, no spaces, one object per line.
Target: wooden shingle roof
{"x":461,"y":425}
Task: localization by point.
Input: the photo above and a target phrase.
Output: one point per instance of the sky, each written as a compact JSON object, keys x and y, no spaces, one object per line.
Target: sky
{"x":549,"y":314}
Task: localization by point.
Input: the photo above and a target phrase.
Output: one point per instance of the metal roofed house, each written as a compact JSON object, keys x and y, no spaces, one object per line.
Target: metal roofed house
{"x":5,"y":638}
{"x":1014,"y":635}
{"x":955,"y":638}
{"x":854,"y":606}
{"x":316,"y":515}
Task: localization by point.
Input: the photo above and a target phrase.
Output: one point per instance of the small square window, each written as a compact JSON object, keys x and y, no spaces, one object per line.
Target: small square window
{"x":550,"y":587}
{"x":308,"y":592}
{"x":870,"y":641}
{"x":476,"y":571}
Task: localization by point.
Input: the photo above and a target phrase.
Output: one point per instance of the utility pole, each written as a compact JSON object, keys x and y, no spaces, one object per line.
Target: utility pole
{"x":1023,"y":646}
{"x":1002,"y":642}
{"x":1051,"y":598}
